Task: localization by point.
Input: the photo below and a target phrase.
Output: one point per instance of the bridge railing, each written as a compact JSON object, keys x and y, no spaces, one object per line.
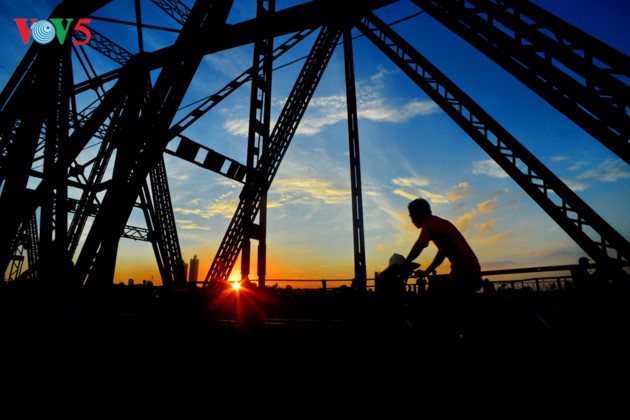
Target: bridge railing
{"x":536,"y":279}
{"x":501,"y":279}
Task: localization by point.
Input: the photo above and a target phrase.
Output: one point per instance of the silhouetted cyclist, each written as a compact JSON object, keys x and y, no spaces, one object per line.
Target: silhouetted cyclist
{"x":465,"y":276}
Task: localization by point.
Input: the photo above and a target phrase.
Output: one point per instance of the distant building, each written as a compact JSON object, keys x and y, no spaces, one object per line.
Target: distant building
{"x":186,"y":270}
{"x":194,"y":269}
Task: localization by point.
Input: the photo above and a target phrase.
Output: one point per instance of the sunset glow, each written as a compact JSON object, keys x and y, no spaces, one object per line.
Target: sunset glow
{"x":410,"y":148}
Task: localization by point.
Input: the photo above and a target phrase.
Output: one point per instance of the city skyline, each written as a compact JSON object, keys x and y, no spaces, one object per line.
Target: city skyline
{"x":409,"y":149}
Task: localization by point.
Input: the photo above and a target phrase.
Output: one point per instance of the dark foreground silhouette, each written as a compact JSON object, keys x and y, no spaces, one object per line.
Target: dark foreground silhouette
{"x":335,"y":320}
{"x":343,"y":344}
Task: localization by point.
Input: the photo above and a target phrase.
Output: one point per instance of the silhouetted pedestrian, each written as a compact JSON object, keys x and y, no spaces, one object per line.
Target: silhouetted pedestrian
{"x":488,"y":287}
{"x":390,"y":288}
{"x":582,"y":278}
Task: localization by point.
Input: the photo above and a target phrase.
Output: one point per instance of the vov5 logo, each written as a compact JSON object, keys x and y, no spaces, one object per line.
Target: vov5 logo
{"x":44,"y":31}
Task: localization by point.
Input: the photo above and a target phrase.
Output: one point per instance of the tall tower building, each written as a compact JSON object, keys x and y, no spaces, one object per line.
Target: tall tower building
{"x":193,"y":269}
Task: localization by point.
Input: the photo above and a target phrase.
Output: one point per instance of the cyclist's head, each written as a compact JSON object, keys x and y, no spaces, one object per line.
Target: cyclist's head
{"x":419,"y":209}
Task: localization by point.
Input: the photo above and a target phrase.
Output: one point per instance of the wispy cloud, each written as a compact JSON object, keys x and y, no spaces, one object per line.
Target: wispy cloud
{"x":328,"y":110}
{"x":190,"y":225}
{"x":433,"y":198}
{"x":223,"y":206}
{"x":487,"y":206}
{"x":181,"y":210}
{"x":405,"y":194}
{"x":301,"y":190}
{"x":578,"y":166}
{"x":380,"y":111}
{"x":488,"y":167}
{"x":466,"y":222}
{"x":458,"y":193}
{"x":608,"y":171}
{"x":487,"y":226}
{"x":237,"y":127}
{"x":494,"y":239}
{"x":411,"y":182}
{"x":559,"y":158}
{"x":575,"y":185}
{"x":373,"y":105}
{"x":411,"y":188}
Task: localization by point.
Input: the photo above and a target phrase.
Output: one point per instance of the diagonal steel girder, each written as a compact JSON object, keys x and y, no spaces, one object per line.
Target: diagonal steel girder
{"x":537,"y":48}
{"x":570,"y":213}
{"x":267,"y":167}
{"x":43,"y":73}
{"x":141,"y":141}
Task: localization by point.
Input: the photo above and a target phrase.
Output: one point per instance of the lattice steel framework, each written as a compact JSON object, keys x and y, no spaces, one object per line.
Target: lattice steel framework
{"x":126,"y":114}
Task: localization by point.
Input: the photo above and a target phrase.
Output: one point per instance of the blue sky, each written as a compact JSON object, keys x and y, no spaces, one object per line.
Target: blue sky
{"x":409,"y":148}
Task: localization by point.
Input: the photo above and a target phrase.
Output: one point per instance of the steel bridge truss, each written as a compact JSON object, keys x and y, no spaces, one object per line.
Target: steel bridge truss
{"x":130,"y":122}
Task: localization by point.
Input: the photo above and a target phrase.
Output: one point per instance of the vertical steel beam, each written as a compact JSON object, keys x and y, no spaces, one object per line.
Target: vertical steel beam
{"x":258,"y":139}
{"x":280,"y":139}
{"x":360,"y":272}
